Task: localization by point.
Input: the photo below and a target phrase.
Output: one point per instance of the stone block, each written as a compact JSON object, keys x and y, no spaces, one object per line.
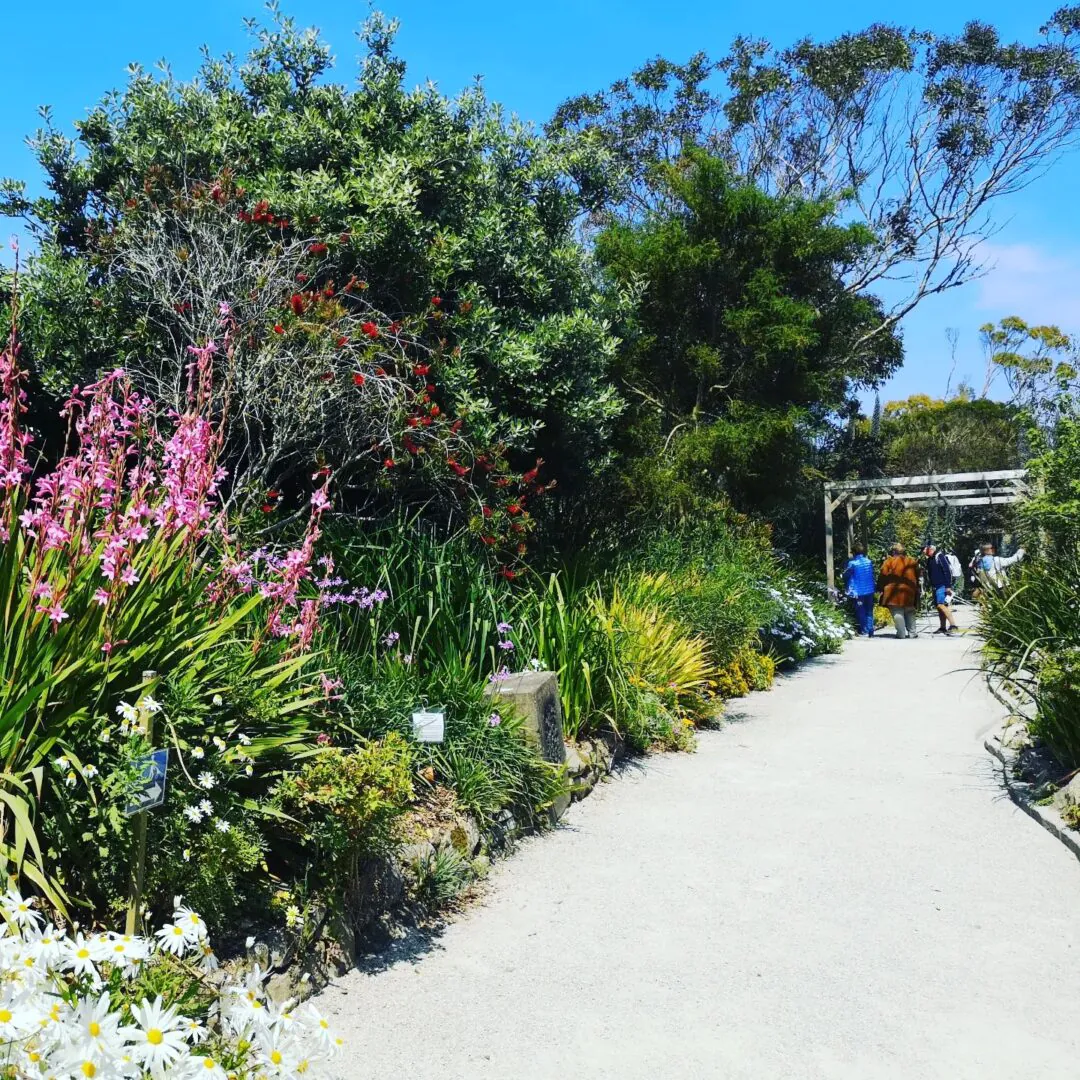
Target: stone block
{"x":534,"y":696}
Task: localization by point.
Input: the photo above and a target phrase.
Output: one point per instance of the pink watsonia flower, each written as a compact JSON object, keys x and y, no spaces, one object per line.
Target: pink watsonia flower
{"x":101,"y":597}
{"x":57,"y":614}
{"x":43,"y":590}
{"x":129,"y":577}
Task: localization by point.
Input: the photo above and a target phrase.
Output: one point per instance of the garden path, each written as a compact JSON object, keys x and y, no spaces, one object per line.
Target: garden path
{"x":833,"y":886}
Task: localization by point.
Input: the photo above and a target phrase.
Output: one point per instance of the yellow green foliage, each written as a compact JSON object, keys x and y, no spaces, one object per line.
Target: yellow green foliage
{"x":650,"y":641}
{"x":750,"y":670}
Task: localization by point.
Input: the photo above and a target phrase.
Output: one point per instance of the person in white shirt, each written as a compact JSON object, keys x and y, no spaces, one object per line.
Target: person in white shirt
{"x":990,"y":566}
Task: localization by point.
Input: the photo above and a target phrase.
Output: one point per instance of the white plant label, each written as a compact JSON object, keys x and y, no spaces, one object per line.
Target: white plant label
{"x":430,"y":726}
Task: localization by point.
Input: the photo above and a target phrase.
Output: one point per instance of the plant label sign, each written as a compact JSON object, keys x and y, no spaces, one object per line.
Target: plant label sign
{"x":151,"y":793}
{"x":429,"y":726}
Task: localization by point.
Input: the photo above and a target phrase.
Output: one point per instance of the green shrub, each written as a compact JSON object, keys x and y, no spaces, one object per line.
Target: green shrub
{"x":340,"y":807}
{"x":1031,"y":649}
{"x":485,"y":756}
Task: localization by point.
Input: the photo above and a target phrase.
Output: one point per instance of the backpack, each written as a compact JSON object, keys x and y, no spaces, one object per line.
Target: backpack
{"x":954,"y":566}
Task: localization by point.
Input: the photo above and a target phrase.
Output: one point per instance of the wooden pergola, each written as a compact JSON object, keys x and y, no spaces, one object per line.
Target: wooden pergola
{"x":861,"y":497}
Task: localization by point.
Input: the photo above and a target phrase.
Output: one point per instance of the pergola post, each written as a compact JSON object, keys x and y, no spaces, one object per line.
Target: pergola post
{"x":830,"y":569}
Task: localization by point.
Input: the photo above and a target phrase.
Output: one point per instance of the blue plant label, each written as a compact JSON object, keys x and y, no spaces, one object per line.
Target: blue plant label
{"x":152,"y":770}
{"x":429,"y":726}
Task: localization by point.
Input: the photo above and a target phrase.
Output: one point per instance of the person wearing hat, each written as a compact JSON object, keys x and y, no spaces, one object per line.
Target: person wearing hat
{"x":940,"y":576}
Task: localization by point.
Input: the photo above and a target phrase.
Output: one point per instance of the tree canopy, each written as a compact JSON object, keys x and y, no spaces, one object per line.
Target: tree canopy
{"x":746,"y":338}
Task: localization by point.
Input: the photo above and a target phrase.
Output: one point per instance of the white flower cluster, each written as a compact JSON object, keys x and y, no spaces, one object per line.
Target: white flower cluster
{"x":801,"y":624}
{"x":69,"y":1010}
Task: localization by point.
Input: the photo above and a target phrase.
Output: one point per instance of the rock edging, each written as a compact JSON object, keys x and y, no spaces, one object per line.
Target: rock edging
{"x":1008,"y":745}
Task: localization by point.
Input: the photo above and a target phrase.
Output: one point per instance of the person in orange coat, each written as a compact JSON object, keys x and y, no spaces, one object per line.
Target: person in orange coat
{"x":899,"y":584}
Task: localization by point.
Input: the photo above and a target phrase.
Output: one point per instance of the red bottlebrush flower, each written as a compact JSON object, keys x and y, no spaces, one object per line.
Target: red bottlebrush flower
{"x":328,"y":292}
{"x":343,"y":238}
{"x":507,"y":573}
{"x":244,"y":216}
{"x":489,"y":540}
{"x":430,"y":388}
{"x":283,"y":223}
{"x":326,"y":376}
{"x":370,"y":329}
{"x":426,"y":421}
{"x":278,"y":328}
{"x":380,"y":372}
{"x":296,"y":302}
{"x":411,"y":446}
{"x":435,"y":410}
{"x":458,"y":468}
{"x":436,"y":301}
{"x":394,"y":327}
{"x":388,"y":463}
{"x":261,"y":207}
{"x":517,"y":528}
{"x":455,"y":427}
{"x":530,"y":476}
{"x":500,"y":481}
{"x":358,"y":379}
{"x":421,"y":369}
{"x":513,"y":509}
{"x":302,"y":278}
{"x":267,"y":508}
{"x":273,"y":493}
{"x":343,"y":340}
{"x":413,"y":421}
{"x":487,"y":512}
{"x":317,"y":249}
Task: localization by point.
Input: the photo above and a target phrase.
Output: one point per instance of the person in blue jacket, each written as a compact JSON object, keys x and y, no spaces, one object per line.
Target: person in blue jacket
{"x":940,"y":575}
{"x":859,"y":578}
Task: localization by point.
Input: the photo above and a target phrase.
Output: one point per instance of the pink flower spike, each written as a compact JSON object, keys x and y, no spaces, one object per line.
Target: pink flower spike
{"x":57,"y":614}
{"x":43,"y":589}
{"x":101,"y":597}
{"x":107,"y":648}
{"x":129,"y":577}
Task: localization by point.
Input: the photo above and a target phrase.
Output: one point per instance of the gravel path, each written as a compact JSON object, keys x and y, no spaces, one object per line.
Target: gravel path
{"x":832,"y":886}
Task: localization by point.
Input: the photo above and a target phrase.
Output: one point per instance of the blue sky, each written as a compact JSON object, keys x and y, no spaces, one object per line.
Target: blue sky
{"x":532,"y":56}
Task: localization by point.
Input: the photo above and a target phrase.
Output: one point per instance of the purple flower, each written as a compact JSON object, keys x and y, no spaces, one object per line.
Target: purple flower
{"x":504,"y":628}
{"x":494,"y":719}
{"x":506,"y":646}
{"x":500,"y":676}
{"x":391,"y":639}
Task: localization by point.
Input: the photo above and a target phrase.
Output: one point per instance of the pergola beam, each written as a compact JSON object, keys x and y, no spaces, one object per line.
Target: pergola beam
{"x":917,"y":481}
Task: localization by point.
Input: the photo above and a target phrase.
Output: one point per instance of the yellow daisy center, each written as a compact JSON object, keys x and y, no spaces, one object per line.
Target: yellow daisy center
{"x":324,"y":1025}
{"x":275,"y":1056}
{"x":154,"y":1036}
{"x":95,"y":1029}
{"x":208,"y":1063}
{"x":5,"y":1016}
{"x":83,"y":954}
{"x":89,"y":1068}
